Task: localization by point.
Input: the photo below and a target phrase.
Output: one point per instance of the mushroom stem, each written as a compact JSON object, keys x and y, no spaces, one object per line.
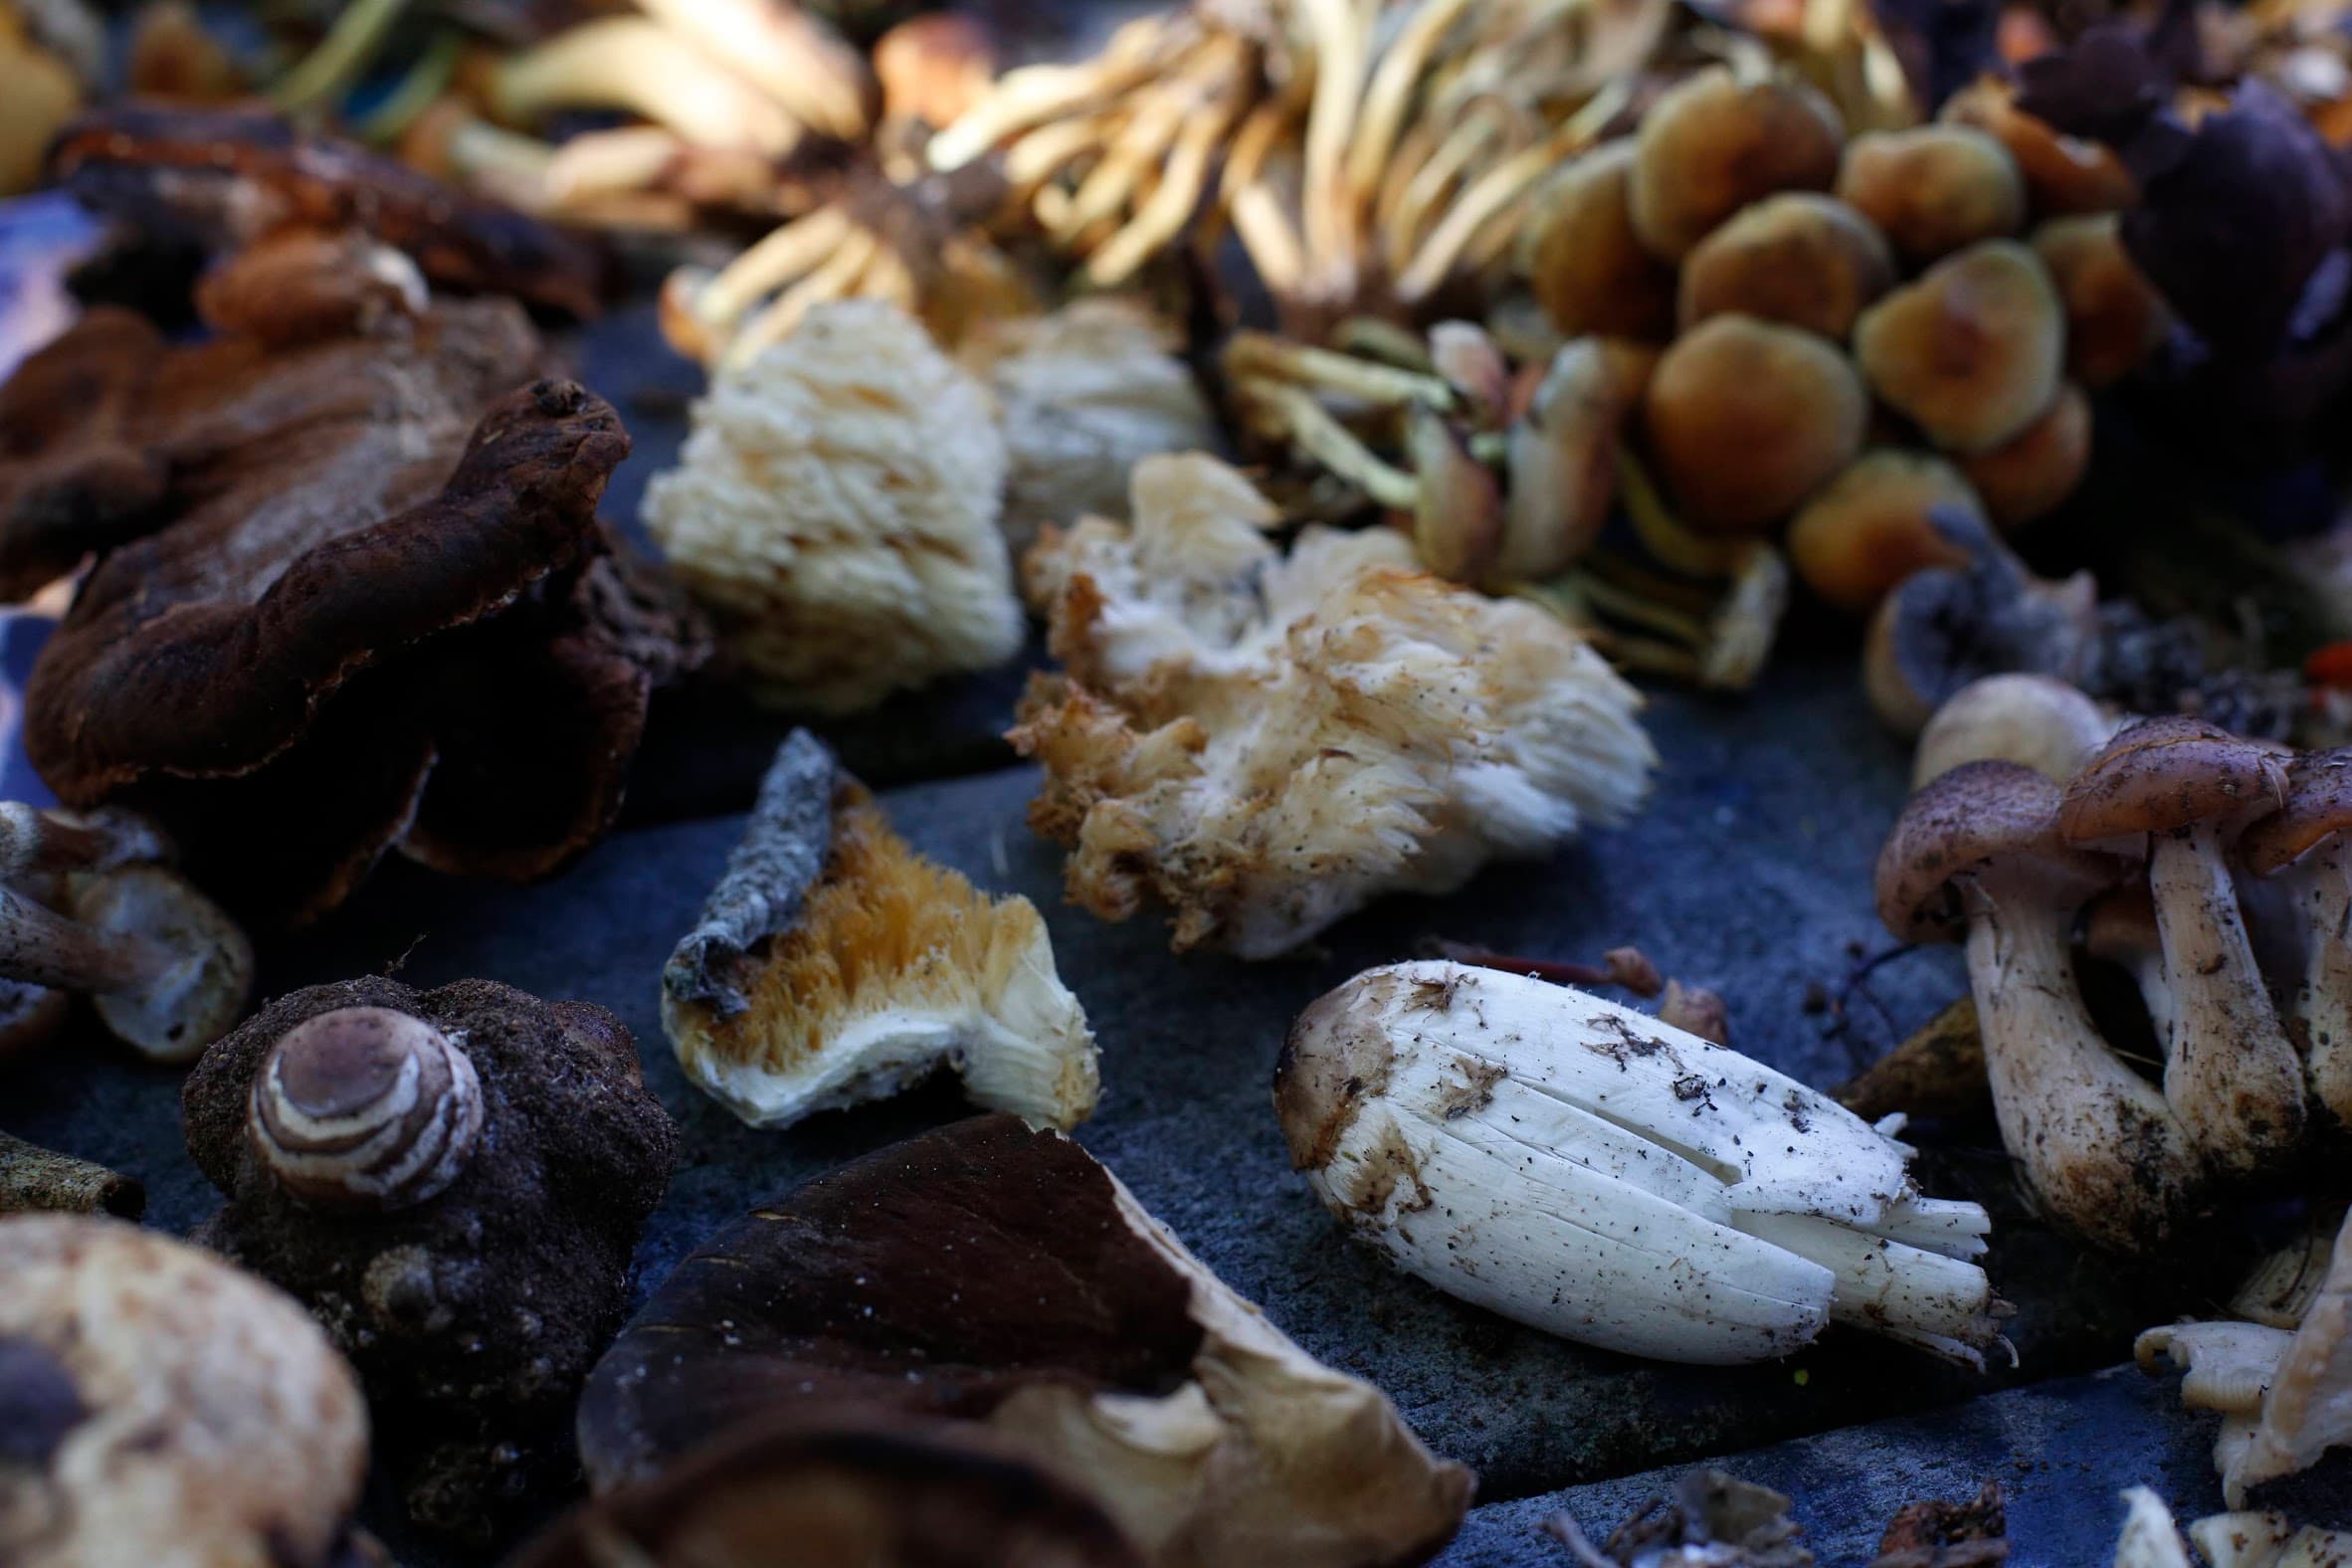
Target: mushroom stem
{"x":37,"y":842}
{"x":1326,"y":441}
{"x":2323,"y":1007}
{"x":45,"y":948}
{"x":357,"y":34}
{"x":636,"y":63}
{"x":2232,"y":1078}
{"x":1254,"y":355}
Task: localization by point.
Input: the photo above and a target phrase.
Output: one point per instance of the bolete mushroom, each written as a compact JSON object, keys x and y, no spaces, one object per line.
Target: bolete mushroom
{"x":1746,"y":419}
{"x":1972,"y":350}
{"x":1719,"y":139}
{"x":1932,"y":189}
{"x":2049,"y":726}
{"x":2303,"y":846}
{"x":1868,"y":529}
{"x":1799,"y":258}
{"x":1978,"y":854}
{"x":157,"y":1405}
{"x":1587,"y":266}
{"x":993,"y":1275}
{"x":2036,"y":468}
{"x":452,"y":1181}
{"x":2180,"y":791}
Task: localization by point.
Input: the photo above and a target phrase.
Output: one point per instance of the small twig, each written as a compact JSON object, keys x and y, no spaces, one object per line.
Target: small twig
{"x":1620,"y":967}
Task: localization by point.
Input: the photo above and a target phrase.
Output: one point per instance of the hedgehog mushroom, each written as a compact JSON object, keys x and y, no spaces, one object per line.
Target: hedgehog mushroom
{"x":157,"y":1406}
{"x":1978,"y":851}
{"x":833,"y":964}
{"x":994,"y":1275}
{"x":2180,"y":791}
{"x":2301,"y":846}
{"x":452,"y":1182}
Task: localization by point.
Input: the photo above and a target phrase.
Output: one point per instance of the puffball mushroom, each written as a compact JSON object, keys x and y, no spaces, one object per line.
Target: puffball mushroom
{"x":832,"y":964}
{"x":1000,"y":1277}
{"x":1799,"y":259}
{"x":1971,"y":351}
{"x":1719,"y":140}
{"x":836,"y":507}
{"x":1604,"y":1176}
{"x":2036,"y":468}
{"x":2180,"y":791}
{"x":2049,"y":726}
{"x":451,"y":1182}
{"x":2301,"y":846}
{"x":1265,"y":742}
{"x":2115,"y":318}
{"x":1932,"y":189}
{"x":1746,"y":419}
{"x":165,"y":1408}
{"x":1979,"y":851}
{"x":1585,"y":264}
{"x":1868,"y":529}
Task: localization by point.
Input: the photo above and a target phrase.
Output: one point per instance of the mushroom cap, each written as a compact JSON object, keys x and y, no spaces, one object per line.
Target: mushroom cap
{"x":76,"y":467}
{"x":2115,"y":318}
{"x":2036,"y":468}
{"x":2318,"y":802}
{"x":1972,"y":350}
{"x":2046,"y":723}
{"x":1868,"y":529}
{"x":1585,"y":264}
{"x":1712,"y":143}
{"x":199,"y":996}
{"x":1799,"y":257}
{"x":1932,"y":189}
{"x":845,"y":1491}
{"x":2062,"y":174}
{"x":1747,"y":419}
{"x":157,"y":1405}
{"x":366,"y":1107}
{"x":1977,"y":816}
{"x":2169,"y":772}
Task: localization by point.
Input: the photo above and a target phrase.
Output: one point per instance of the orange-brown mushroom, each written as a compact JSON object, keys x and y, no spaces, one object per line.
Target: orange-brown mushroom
{"x":1746,"y":419}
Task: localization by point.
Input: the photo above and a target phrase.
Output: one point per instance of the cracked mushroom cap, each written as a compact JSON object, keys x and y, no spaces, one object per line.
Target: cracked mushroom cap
{"x":2169,"y":772}
{"x":157,"y":1406}
{"x":2318,"y":804}
{"x":845,"y":1491}
{"x":1966,"y":821}
{"x":993,"y":1275}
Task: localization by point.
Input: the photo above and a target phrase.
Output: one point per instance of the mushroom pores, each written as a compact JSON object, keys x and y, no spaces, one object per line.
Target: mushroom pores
{"x":1934,"y":188}
{"x":1712,"y":143}
{"x":1801,"y":259}
{"x":366,"y":1108}
{"x":1746,"y":419}
{"x":1971,"y":351}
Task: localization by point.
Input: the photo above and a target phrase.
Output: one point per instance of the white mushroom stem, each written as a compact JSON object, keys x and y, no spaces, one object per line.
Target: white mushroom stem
{"x":1255,"y":357}
{"x":37,"y":842}
{"x":44,"y":948}
{"x":1321,"y":437}
{"x":1390,"y":93}
{"x":788,"y":54}
{"x":636,"y":63}
{"x":1034,"y":95}
{"x":2321,"y":885}
{"x":2233,"y":1078}
{"x":1340,"y":32}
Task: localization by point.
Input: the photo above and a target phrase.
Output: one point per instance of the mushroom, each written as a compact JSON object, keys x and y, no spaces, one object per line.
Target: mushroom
{"x":635,"y":63}
{"x":832,"y":964}
{"x":300,"y":285}
{"x":842,"y":1490}
{"x":2048,"y":724}
{"x":1562,"y":455}
{"x":1933,"y":189}
{"x":1799,"y":258}
{"x":2036,"y":468}
{"x":1978,"y":851}
{"x":934,"y":67}
{"x":1719,"y":139}
{"x":1586,"y":265}
{"x":1746,"y":419}
{"x":167,"y":970}
{"x":1868,"y":529}
{"x":160,"y":1405}
{"x":79,"y":473}
{"x":2115,"y":318}
{"x":2301,"y":847}
{"x":2064,"y":175}
{"x":2180,"y":791}
{"x":1000,"y":1277}
{"x":451,"y":1182}
{"x":1972,"y":350}
{"x":786,"y":51}
{"x":33,"y":1178}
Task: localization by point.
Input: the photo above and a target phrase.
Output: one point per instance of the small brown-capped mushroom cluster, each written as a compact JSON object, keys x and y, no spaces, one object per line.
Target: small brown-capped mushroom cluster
{"x":451,"y":1182}
{"x":2148,"y":841}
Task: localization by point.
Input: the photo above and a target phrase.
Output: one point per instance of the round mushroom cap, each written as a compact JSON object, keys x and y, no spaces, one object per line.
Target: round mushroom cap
{"x":2170,"y":772}
{"x":1746,"y":419}
{"x":1869,"y":528}
{"x":201,"y":991}
{"x":1972,"y":351}
{"x":366,"y":1108}
{"x":1978,"y":815}
{"x":1585,"y":264}
{"x":2046,"y":723}
{"x":2036,"y":468}
{"x":159,"y":1406}
{"x":850,"y":1490}
{"x":1712,"y":143}
{"x":2318,"y":804}
{"x":2062,"y":174}
{"x":2115,"y":318}
{"x":1932,"y":189}
{"x":1799,"y":258}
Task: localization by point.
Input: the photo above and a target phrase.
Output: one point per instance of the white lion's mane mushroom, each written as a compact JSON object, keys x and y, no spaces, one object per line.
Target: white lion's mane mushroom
{"x":1267,"y":744}
{"x":160,"y":1407}
{"x":1978,"y":851}
{"x":2285,"y":1398}
{"x":1603,"y":1176}
{"x":832,"y":964}
{"x":836,"y":507}
{"x":990,"y":1273}
{"x":1083,"y":395}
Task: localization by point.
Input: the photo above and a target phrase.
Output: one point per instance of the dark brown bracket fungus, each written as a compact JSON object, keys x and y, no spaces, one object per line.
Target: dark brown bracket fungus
{"x":999,"y":1276}
{"x":452,"y":1182}
{"x":157,"y":1406}
{"x":2178,"y":792}
{"x":2301,"y":846}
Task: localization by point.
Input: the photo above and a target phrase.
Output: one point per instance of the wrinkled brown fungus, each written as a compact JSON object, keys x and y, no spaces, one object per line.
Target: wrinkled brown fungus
{"x":1933,"y":189}
{"x":1746,"y":419}
{"x":1868,"y":529}
{"x":1718,"y":140}
{"x":1801,"y":259}
{"x":1972,"y":350}
{"x":999,"y":1276}
{"x":470,"y":1292}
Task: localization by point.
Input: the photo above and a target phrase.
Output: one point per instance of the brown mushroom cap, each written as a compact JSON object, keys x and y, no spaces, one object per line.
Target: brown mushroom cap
{"x":365,"y":1108}
{"x":2166,"y":773}
{"x":1712,"y":143}
{"x":1967,"y":820}
{"x":2318,"y":804}
{"x":846,"y":1491}
{"x":1799,"y":258}
{"x":1746,"y":419}
{"x":1972,"y":350}
{"x":1586,"y":265}
{"x":2115,"y":318}
{"x":2062,"y":174}
{"x":2036,"y":469}
{"x":1868,"y":529}
{"x":1932,"y":189}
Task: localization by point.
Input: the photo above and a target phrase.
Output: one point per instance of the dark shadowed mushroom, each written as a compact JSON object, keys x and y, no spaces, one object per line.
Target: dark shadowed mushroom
{"x":2302,"y":847}
{"x":1978,"y":851}
{"x":1000,"y":1276}
{"x":2180,"y":791}
{"x":160,"y":1406}
{"x":853,"y":1491}
{"x":452,"y":1182}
